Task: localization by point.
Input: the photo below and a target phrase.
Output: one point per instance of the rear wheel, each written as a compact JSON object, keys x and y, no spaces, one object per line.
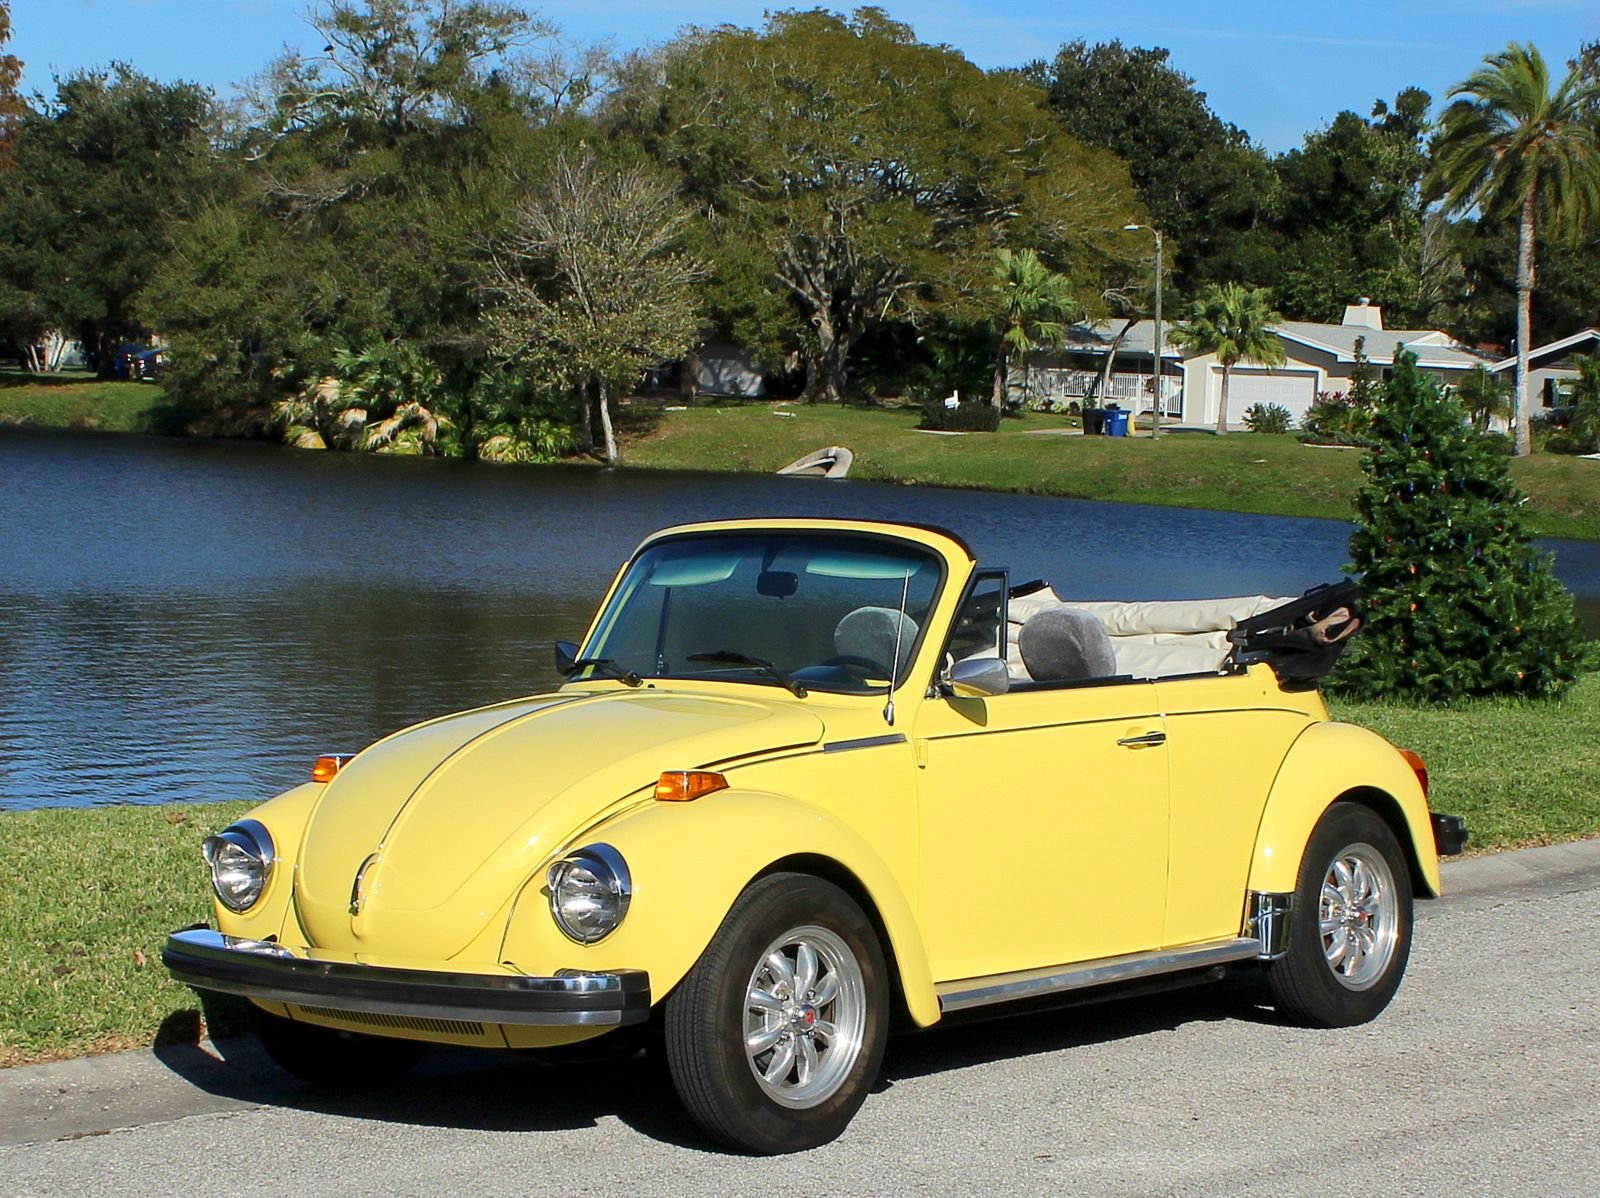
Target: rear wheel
{"x":777,"y":1033}
{"x":1350,"y":931}
{"x":327,"y":1057}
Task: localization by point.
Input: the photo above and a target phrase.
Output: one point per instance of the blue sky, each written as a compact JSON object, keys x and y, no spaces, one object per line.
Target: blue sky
{"x":1277,"y":70}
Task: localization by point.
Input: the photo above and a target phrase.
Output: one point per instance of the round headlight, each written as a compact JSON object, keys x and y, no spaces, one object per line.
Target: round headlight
{"x":241,"y":858}
{"x":589,"y":892}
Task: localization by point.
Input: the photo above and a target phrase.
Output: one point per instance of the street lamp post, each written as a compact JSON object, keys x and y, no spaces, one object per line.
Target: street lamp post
{"x":1160,"y":340}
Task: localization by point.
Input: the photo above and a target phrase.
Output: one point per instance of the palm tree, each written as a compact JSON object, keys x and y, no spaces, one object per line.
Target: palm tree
{"x":1585,"y":425}
{"x":1483,"y":396}
{"x":1508,"y":145}
{"x":1235,"y":323}
{"x":1032,"y":304}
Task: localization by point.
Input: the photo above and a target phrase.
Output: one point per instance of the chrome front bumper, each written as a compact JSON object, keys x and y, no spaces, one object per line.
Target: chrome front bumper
{"x":209,"y":960}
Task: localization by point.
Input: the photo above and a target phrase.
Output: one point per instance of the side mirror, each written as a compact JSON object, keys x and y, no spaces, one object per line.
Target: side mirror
{"x":566,"y":657}
{"x":977,"y":676}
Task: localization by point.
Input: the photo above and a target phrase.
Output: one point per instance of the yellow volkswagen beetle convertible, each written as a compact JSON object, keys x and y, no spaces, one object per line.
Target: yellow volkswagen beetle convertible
{"x":809,"y":779}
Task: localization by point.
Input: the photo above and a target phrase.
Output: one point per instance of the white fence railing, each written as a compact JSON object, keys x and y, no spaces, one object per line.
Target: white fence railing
{"x":1055,"y":385}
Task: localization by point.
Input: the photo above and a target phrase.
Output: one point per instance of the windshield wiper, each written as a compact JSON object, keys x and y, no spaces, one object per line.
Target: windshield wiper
{"x":605,"y":666}
{"x":766,"y":667}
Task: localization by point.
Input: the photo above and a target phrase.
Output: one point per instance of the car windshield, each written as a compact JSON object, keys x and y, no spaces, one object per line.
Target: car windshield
{"x":824,"y":611}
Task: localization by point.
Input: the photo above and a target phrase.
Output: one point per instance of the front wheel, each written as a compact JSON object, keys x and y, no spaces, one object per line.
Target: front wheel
{"x":1350,"y":929}
{"x":777,"y":1033}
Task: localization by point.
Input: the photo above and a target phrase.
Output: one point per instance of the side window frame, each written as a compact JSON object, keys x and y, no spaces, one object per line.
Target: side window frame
{"x":980,"y":576}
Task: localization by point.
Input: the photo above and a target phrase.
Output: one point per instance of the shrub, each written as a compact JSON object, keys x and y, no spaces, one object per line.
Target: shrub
{"x":1334,"y":418}
{"x":1562,"y":441}
{"x":965,"y":417}
{"x":1267,"y":418}
{"x":1551,"y":418}
{"x":1457,"y":601}
{"x":1501,"y":443}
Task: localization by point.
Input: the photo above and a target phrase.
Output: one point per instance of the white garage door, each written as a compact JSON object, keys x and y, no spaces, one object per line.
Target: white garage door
{"x":1292,"y":389}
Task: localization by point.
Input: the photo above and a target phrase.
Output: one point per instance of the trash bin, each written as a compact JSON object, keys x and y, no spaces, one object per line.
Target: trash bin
{"x":1094,"y":421}
{"x":1117,"y":423}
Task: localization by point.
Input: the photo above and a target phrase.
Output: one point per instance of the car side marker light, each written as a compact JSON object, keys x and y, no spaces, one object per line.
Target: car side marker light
{"x":684,"y":786}
{"x":325,"y":767}
{"x":1418,"y":767}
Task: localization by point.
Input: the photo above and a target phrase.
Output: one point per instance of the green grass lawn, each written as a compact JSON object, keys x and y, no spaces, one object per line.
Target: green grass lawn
{"x":1522,"y":772}
{"x":1242,"y":472}
{"x":86,"y":899}
{"x":88,"y":896}
{"x":76,"y":400}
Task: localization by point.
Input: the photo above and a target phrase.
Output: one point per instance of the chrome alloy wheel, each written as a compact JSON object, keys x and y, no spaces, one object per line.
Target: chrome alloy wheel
{"x":1359,"y":916}
{"x":805,"y":1012}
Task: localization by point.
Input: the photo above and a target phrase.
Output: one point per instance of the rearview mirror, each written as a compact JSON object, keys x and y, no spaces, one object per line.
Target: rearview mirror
{"x":977,"y":676}
{"x":777,"y":584}
{"x":566,"y":657}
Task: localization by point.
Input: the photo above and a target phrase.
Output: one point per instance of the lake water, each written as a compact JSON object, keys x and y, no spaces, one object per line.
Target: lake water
{"x":193,"y":620}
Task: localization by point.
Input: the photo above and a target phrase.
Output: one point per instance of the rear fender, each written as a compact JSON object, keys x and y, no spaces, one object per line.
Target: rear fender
{"x":688,"y":863}
{"x":1328,"y":762}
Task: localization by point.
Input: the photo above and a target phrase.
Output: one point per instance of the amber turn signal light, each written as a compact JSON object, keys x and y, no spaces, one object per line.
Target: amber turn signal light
{"x":1418,"y":767}
{"x":683,"y":786}
{"x":325,"y":767}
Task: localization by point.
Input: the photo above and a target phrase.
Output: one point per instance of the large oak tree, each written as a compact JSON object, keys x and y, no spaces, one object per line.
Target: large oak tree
{"x":865,"y":175}
{"x":1208,"y":188}
{"x":101,"y":174}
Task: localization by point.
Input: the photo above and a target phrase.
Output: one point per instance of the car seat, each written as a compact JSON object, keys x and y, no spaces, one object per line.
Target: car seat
{"x":867,"y":634}
{"x":1060,"y":644}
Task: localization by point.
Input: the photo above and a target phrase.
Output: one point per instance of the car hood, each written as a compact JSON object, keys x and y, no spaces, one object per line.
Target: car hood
{"x":445,"y":821}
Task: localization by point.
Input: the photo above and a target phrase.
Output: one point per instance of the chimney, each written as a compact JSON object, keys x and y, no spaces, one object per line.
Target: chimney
{"x":1363,"y":315}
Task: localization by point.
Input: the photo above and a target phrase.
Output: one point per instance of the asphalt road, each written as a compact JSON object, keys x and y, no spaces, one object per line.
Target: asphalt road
{"x":1481,"y":1078}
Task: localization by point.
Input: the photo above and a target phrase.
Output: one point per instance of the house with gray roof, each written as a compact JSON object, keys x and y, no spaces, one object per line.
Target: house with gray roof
{"x":1551,"y":368}
{"x":1317,"y":358}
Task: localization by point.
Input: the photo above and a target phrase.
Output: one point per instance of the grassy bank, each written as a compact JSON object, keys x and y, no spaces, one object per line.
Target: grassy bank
{"x":76,"y":400}
{"x":86,"y":897}
{"x":1243,"y":472}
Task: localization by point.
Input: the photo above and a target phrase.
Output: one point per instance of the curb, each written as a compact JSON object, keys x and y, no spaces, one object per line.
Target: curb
{"x":1547,"y":866}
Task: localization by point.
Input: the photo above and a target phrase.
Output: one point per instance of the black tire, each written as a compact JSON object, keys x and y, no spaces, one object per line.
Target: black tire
{"x":1345,"y":959}
{"x":812,"y":1094}
{"x":334,"y":1059}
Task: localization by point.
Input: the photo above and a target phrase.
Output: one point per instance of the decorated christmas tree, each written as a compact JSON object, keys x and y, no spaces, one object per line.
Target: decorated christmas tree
{"x":1457,"y":601}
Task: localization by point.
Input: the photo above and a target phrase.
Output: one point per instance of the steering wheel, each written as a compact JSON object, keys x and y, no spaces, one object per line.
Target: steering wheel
{"x":851,"y":661}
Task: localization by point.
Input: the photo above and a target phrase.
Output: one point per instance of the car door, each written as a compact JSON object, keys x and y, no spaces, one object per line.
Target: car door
{"x":1043,"y":826}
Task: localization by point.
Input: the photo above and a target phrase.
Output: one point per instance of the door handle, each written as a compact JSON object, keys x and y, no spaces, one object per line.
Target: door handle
{"x":1147,"y":741}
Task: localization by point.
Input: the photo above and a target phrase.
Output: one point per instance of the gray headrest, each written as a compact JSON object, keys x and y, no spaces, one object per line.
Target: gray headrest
{"x":869,"y":632}
{"x":1064,"y":643}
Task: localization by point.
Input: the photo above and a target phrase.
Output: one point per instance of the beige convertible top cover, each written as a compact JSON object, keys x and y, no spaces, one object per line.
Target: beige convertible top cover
{"x":1150,"y":640}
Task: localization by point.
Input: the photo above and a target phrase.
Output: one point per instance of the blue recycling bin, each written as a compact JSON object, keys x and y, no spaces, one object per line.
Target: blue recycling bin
{"x":1116,"y":423}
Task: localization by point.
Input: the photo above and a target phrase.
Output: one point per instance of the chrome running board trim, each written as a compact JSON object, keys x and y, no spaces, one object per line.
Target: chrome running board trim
{"x":1038,"y":983}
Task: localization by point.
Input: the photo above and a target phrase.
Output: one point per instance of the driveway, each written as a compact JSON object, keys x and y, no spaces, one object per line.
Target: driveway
{"x":1480,"y":1079}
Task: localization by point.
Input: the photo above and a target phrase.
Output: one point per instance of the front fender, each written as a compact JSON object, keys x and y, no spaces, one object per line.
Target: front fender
{"x":1326,"y":761}
{"x":285,"y":817}
{"x":689,"y":862}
